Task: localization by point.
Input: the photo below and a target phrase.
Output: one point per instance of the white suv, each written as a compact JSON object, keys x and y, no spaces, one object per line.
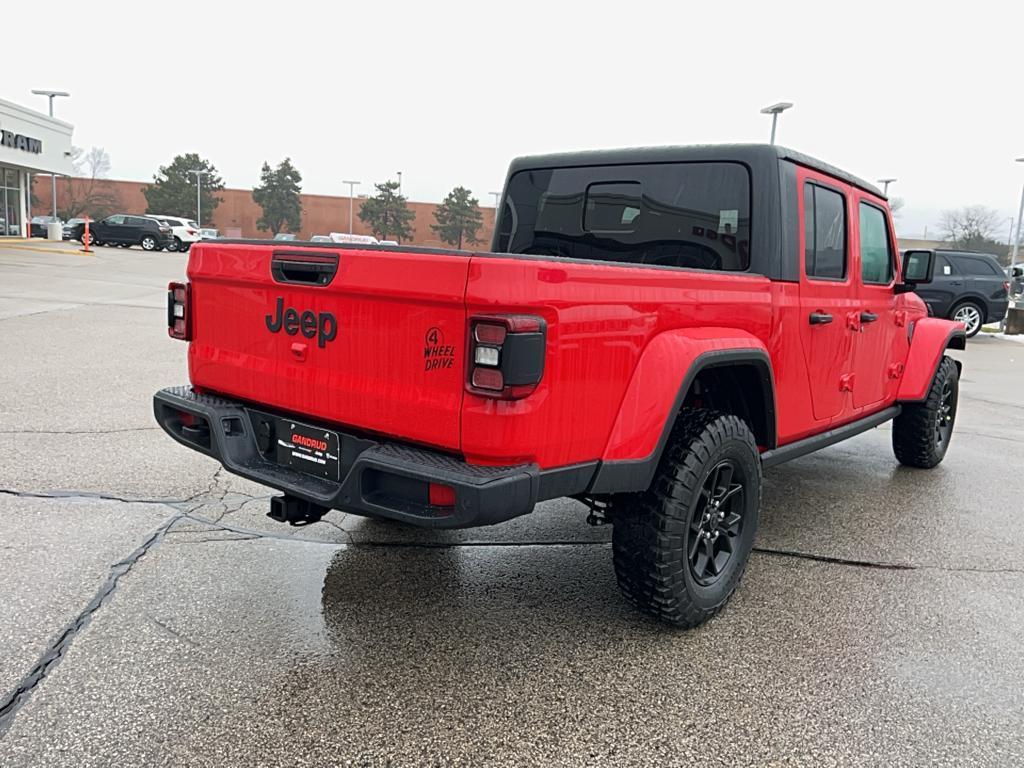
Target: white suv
{"x":185,"y":231}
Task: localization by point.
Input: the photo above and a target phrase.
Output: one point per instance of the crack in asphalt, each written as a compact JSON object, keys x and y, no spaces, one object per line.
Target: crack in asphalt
{"x":172,"y":631}
{"x":250,"y":534}
{"x":58,"y":648}
{"x":52,"y":656}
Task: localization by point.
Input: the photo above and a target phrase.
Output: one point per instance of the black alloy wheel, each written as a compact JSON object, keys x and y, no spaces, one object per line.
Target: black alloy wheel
{"x":717,"y":522}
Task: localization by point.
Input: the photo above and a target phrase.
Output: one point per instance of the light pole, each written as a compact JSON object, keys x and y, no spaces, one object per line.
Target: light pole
{"x":351,"y":194}
{"x":199,"y":188}
{"x":399,"y":182}
{"x":775,"y":110}
{"x":53,"y":178}
{"x":1020,"y":214}
{"x":885,"y":187}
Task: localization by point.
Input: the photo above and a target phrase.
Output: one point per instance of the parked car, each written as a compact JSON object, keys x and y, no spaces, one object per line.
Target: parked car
{"x":184,"y":231}
{"x":320,"y":239}
{"x":38,"y":225}
{"x":1016,"y":275}
{"x":971,"y":288}
{"x":286,"y":236}
{"x":71,"y":228}
{"x":209,"y":234}
{"x":126,"y":230}
{"x":653,"y":329}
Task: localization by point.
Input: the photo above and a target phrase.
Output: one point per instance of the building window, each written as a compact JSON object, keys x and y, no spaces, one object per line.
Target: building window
{"x":10,"y":202}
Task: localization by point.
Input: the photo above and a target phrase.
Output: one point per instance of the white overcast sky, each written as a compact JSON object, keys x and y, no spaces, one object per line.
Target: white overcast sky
{"x":448,"y":92}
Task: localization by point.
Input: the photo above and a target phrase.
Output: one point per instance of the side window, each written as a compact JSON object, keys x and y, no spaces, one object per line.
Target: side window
{"x":942,"y":266}
{"x":977,"y":267}
{"x":824,"y":233}
{"x":875,"y":246}
{"x":114,"y":220}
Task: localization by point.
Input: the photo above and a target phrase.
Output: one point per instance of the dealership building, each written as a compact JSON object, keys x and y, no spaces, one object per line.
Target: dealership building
{"x":30,"y":143}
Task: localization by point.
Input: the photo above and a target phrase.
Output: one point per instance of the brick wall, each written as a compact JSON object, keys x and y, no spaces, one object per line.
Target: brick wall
{"x":321,"y":214}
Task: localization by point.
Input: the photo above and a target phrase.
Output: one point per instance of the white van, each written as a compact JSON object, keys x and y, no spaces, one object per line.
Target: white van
{"x":345,"y":237}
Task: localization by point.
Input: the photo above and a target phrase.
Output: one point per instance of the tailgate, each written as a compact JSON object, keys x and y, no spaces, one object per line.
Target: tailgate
{"x":378,"y":347}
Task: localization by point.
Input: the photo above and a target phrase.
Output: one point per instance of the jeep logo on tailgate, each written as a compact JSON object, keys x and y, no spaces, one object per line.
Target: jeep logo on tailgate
{"x":323,"y":325}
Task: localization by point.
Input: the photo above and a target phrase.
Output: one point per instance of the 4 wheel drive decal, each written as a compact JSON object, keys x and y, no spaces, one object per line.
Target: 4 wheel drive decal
{"x":437,"y":354}
{"x":323,"y":325}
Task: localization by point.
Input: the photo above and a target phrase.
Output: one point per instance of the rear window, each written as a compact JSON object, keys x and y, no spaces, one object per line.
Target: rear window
{"x":689,"y":215}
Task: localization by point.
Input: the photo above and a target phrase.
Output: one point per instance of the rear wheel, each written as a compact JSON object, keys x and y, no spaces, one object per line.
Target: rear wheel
{"x":922,"y":431}
{"x":175,"y":245}
{"x":681,"y":547}
{"x":970,"y":314}
{"x":148,"y":243}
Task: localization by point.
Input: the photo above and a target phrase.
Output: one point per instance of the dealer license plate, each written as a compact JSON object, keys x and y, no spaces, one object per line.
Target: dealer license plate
{"x":308,"y":449}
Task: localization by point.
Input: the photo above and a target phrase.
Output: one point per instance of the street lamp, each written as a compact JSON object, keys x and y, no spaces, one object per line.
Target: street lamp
{"x":399,"y":182}
{"x":1020,"y":213}
{"x":886,"y":182}
{"x":53,"y":178}
{"x":774,"y":110}
{"x":351,"y":194}
{"x":199,"y":188}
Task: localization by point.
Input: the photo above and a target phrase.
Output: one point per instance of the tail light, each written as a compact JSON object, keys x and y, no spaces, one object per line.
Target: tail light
{"x":506,"y":355}
{"x":1006,"y":287}
{"x":179,"y":319}
{"x":191,"y":231}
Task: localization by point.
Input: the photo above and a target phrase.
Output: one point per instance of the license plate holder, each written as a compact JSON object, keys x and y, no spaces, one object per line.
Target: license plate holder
{"x":310,"y":449}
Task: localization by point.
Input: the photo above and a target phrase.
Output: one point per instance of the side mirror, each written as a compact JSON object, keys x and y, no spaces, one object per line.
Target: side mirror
{"x":918,"y":267}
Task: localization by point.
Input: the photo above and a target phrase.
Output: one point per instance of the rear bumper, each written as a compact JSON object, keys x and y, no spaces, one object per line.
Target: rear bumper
{"x":378,"y":478}
{"x":997,"y":310}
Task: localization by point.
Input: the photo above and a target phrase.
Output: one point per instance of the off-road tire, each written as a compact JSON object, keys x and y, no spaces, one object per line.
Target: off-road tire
{"x":653,"y":529}
{"x":918,"y":437}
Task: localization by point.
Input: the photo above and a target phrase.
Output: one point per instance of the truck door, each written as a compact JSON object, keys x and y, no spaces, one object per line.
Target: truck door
{"x":828,"y":298}
{"x":875,"y":343}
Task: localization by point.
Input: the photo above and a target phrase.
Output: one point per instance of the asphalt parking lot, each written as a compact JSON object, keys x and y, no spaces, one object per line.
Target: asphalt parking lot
{"x":153,"y":615}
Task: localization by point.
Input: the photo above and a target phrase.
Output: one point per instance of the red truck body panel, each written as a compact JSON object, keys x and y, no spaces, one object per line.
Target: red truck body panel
{"x":374,"y":375}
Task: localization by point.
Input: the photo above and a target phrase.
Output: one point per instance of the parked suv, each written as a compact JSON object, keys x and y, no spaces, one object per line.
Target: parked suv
{"x":38,"y":225}
{"x":968,"y":287}
{"x":184,"y":231}
{"x":652,"y":329}
{"x":126,"y":230}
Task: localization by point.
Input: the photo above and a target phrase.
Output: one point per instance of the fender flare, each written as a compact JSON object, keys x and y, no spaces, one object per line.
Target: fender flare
{"x":930,"y":338}
{"x":692,"y":352}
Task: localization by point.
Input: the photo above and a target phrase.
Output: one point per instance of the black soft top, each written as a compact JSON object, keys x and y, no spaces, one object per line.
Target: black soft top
{"x":750,"y":154}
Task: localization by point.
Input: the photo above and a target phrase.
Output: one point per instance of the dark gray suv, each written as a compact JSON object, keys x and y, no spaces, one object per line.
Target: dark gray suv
{"x":969,"y":287}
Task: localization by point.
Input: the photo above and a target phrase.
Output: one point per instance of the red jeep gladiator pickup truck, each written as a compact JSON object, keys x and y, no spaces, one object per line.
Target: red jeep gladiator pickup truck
{"x":651,"y":329}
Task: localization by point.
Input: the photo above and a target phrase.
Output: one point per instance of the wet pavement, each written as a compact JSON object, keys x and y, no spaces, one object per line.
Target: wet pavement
{"x":153,"y":615}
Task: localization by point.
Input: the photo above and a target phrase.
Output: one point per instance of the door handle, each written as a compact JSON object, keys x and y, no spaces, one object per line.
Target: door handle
{"x":819,"y":318}
{"x":868,"y":317}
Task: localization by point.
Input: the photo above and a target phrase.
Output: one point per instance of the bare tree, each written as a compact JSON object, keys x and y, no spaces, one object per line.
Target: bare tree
{"x":896,"y":206}
{"x":88,"y":191}
{"x":972,"y":224}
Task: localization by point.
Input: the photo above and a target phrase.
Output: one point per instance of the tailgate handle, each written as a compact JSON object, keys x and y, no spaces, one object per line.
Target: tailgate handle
{"x":304,"y":268}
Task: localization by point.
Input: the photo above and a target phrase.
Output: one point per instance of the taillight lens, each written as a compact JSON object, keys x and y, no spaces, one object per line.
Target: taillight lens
{"x":179,"y":320}
{"x":506,"y":355}
{"x":1006,"y":287}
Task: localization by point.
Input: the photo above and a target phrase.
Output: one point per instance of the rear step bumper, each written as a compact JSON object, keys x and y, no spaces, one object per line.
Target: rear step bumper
{"x":379,"y":479}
